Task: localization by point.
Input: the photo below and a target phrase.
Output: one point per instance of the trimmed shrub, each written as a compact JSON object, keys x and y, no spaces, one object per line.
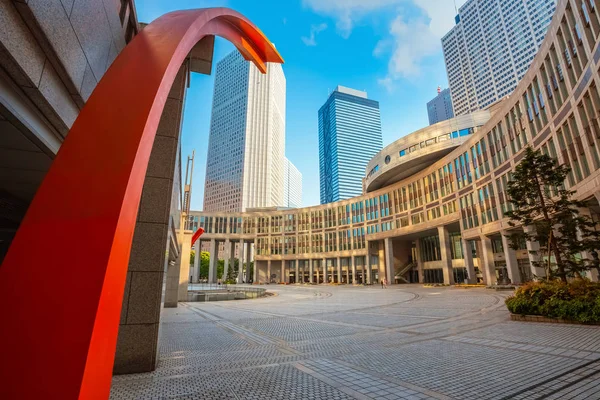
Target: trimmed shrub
{"x":576,"y":301}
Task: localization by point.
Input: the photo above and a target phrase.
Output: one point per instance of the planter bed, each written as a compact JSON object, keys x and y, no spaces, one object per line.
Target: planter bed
{"x":541,"y":318}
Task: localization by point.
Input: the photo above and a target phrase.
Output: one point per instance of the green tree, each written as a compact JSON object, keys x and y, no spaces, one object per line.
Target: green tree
{"x":540,"y":200}
{"x":192,"y":257}
{"x":204,"y":263}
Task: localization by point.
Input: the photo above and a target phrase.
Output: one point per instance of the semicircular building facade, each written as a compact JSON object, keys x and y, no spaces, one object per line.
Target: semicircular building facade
{"x":433,"y":208}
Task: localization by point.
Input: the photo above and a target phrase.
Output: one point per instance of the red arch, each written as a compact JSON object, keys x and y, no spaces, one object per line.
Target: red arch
{"x":62,"y":281}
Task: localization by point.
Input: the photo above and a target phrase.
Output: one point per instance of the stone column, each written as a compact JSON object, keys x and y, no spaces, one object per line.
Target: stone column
{"x":347,"y":271}
{"x":248,"y":260}
{"x":317,"y":272}
{"x":445,"y":250}
{"x":363,"y":269}
{"x":339,"y":270}
{"x":510,"y":255}
{"x":468,"y":257}
{"x":537,"y":272}
{"x":419,"y":261}
{"x":369,"y":269}
{"x":353,"y":269}
{"x":240,"y":274}
{"x":184,"y":266}
{"x":310,"y":271}
{"x":226,"y":259}
{"x":297,"y":265}
{"x":214,"y":259}
{"x":197,"y":257}
{"x":269,"y":271}
{"x":282,"y":278}
{"x":389,"y":260}
{"x":231,"y":257}
{"x":488,"y":267}
{"x":137,"y":343}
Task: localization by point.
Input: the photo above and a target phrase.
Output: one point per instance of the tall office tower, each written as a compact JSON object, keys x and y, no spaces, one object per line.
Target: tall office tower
{"x":245,"y":161}
{"x":349,"y":136}
{"x":440,"y":108}
{"x":292,"y":186}
{"x":490,"y":48}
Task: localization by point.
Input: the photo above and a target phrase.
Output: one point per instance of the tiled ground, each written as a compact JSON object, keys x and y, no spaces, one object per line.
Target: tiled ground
{"x":329,"y":342}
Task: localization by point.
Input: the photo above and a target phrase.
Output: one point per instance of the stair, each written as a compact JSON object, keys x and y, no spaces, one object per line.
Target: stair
{"x":403,"y":270}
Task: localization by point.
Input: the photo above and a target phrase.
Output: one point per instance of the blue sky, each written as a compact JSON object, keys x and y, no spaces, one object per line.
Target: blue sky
{"x":390,"y":48}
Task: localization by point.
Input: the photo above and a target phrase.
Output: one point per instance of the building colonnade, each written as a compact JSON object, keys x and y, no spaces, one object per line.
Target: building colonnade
{"x":438,"y":256}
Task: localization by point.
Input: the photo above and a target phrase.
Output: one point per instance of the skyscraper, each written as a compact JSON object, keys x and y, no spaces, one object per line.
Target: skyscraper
{"x":349,"y":136}
{"x":440,"y":108}
{"x":245,"y":161}
{"x":292,"y":186}
{"x":490,"y":48}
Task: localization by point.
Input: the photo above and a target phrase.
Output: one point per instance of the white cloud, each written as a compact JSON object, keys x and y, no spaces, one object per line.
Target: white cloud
{"x":411,"y":38}
{"x":347,"y":11}
{"x":386,"y":82}
{"x":412,"y":42}
{"x":314,"y":30}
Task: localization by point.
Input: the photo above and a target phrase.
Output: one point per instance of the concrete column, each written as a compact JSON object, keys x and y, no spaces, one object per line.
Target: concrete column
{"x":184,"y":265}
{"x":339,"y":270}
{"x":512,"y":265}
{"x":381,"y":260}
{"x":282,"y":277}
{"x":445,"y":250}
{"x":363,"y":269}
{"x":353,"y":269}
{"x":240,"y":274}
{"x":197,"y":257}
{"x":172,"y":285}
{"x":248,"y":260}
{"x":297,"y":265}
{"x":419,"y":261}
{"x":536,"y":272}
{"x":488,"y":268}
{"x":389,"y":260}
{"x":369,"y":269}
{"x":214,"y":259}
{"x":347,"y":271}
{"x":468,"y":257}
{"x":232,"y":256}
{"x":310,"y":271}
{"x":226,"y":259}
{"x":269,"y":271}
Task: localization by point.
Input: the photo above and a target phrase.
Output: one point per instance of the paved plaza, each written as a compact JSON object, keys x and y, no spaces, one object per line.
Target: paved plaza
{"x":345,"y":342}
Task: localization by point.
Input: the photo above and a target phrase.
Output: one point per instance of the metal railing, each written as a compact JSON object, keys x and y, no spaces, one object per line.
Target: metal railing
{"x":216,"y":292}
{"x":223,"y":286}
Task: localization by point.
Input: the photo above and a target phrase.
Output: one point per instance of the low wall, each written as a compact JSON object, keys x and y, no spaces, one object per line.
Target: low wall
{"x":212,"y":292}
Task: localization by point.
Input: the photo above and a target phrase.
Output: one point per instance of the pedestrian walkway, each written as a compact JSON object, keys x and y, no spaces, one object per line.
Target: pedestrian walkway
{"x":346,"y":342}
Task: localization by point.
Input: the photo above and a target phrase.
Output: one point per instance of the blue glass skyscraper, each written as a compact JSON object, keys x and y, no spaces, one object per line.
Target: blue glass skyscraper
{"x":349,"y":136}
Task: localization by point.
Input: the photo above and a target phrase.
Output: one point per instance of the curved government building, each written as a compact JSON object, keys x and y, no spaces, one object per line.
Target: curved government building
{"x":434,"y":201}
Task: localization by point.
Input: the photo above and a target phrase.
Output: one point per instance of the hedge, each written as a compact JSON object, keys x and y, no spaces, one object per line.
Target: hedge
{"x":576,"y":301}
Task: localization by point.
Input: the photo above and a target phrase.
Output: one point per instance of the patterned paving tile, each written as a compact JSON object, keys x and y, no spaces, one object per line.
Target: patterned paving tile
{"x":331,"y":342}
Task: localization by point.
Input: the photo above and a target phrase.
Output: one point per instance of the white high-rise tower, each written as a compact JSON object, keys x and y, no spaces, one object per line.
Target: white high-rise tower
{"x":292,"y":186}
{"x":245,"y":162}
{"x":490,"y":48}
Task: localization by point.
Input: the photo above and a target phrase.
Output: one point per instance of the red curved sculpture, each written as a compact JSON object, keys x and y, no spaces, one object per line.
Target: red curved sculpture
{"x":62,"y":281}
